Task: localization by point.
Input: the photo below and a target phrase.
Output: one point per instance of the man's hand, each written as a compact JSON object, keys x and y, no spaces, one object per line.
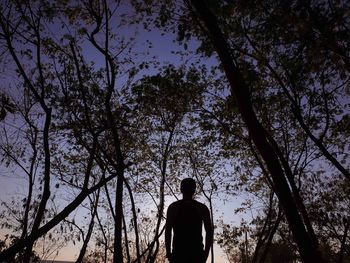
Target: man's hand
{"x":208,"y":233}
{"x":170,"y":258}
{"x":168,"y":228}
{"x":205,"y":256}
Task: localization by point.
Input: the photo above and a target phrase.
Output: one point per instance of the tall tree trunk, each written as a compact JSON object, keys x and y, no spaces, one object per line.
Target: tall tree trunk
{"x":126,"y":240}
{"x":134,"y":213}
{"x":118,"y":224}
{"x":240,"y":90}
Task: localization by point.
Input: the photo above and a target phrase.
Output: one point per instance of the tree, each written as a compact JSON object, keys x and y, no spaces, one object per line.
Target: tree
{"x":306,"y":246}
{"x":48,"y":85}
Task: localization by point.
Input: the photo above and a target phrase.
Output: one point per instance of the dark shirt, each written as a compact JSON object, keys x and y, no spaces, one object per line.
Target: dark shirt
{"x":188,"y":226}
{"x":186,"y":217}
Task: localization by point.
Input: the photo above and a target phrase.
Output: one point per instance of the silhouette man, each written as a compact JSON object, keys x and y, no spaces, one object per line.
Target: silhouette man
{"x":185,"y":218}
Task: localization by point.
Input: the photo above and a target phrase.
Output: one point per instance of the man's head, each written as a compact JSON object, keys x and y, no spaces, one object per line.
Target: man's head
{"x":188,"y":186}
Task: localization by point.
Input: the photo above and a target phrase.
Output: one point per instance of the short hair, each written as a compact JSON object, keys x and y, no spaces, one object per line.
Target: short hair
{"x":188,"y":186}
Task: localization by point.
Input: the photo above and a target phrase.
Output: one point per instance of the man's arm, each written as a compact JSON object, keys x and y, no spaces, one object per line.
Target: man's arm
{"x":208,"y":232}
{"x":168,"y":229}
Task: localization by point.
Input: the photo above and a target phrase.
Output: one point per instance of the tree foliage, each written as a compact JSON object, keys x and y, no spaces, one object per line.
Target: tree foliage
{"x":101,"y":132}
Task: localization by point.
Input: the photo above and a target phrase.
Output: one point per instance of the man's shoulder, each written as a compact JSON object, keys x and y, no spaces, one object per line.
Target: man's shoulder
{"x":175,"y":204}
{"x":181,"y":203}
{"x":200,"y":205}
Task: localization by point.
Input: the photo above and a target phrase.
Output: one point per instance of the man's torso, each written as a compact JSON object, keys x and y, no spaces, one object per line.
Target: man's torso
{"x":187,"y":226}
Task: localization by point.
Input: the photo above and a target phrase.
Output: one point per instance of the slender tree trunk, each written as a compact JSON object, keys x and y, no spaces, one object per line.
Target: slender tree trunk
{"x":153,"y":252}
{"x":134,"y":213}
{"x":47,"y":156}
{"x":126,"y":240}
{"x":155,"y":244}
{"x":270,"y":237}
{"x":263,"y":235}
{"x":105,"y":255}
{"x":118,"y":248}
{"x":46,"y":189}
{"x":240,"y":90}
{"x":30,"y":179}
{"x":119,"y":166}
{"x":91,"y":227}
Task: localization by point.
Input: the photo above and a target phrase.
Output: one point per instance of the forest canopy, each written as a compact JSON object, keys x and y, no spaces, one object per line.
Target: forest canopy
{"x":105,"y":106}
